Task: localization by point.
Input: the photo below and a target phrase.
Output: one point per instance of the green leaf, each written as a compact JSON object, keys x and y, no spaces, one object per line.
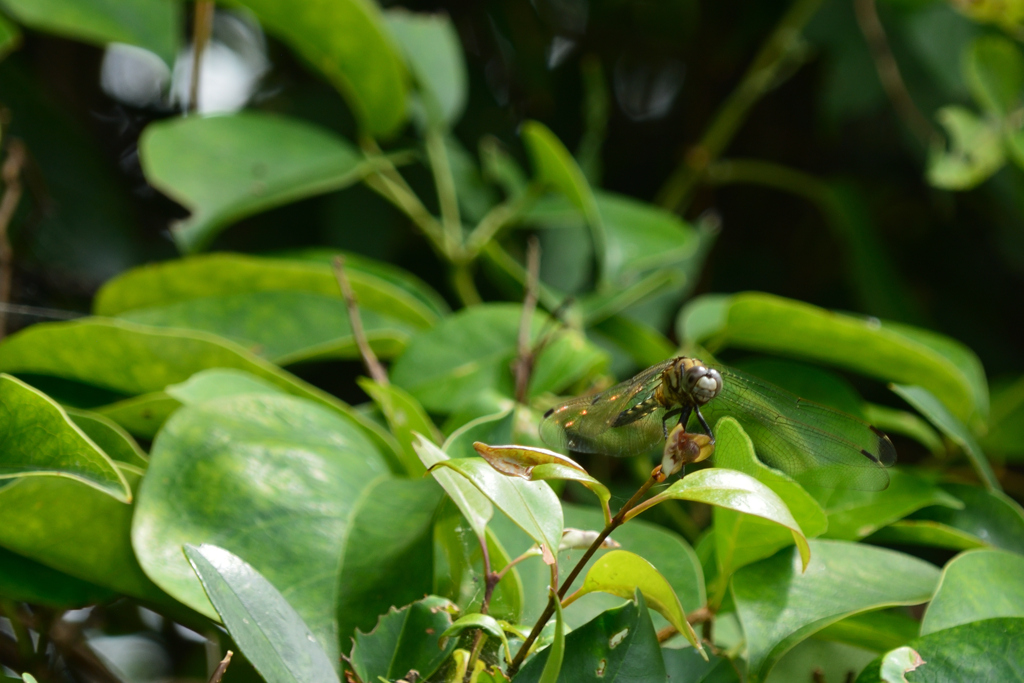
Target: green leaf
{"x":994,"y":71}
{"x":484,"y":622}
{"x":110,"y":437}
{"x":923,"y":532}
{"x":990,"y":516}
{"x":383,"y":564}
{"x":532,"y":505}
{"x":735,"y":491}
{"x":778,"y":605}
{"x":346,"y":40}
{"x":975,"y":152}
{"x":886,"y":351}
{"x":742,"y":538}
{"x":141,"y":416}
{"x":879,"y":631}
{"x":495,"y":428}
{"x":618,"y":646}
{"x":555,"y":166}
{"x":24,"y":580}
{"x":905,"y":423}
{"x":10,"y":37}
{"x":473,"y":504}
{"x":76,"y":529}
{"x":403,"y":640}
{"x":153,"y":24}
{"x":405,"y":417}
{"x":990,"y":650}
{"x":685,"y":665}
{"x":273,"y":479}
{"x":210,"y":385}
{"x":815,"y":660}
{"x":40,"y":439}
{"x":224,"y":168}
{"x":432,"y":49}
{"x":928,"y":405}
{"x":852,"y":515}
{"x":1006,"y":425}
{"x":976,"y":585}
{"x":467,"y":357}
{"x":269,"y":632}
{"x":622,"y":573}
{"x":540,"y":464}
{"x":898,"y":662}
{"x":645,"y":345}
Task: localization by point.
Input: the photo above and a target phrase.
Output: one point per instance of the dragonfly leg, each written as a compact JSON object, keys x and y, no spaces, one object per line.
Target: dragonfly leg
{"x":668,"y":416}
{"x":704,"y":424}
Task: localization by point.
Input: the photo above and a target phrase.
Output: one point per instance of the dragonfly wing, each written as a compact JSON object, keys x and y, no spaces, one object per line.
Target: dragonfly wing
{"x":817,"y":445}
{"x":597,"y":424}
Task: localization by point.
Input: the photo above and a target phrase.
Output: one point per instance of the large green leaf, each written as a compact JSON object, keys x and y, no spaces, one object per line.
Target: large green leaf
{"x":223,"y":168}
{"x":24,"y":580}
{"x":989,"y":516}
{"x":153,"y":24}
{"x":976,"y":585}
{"x":532,"y":505}
{"x":385,"y":564}
{"x":994,"y":71}
{"x":879,"y":631}
{"x":210,"y":385}
{"x":405,"y":417}
{"x":383,"y":289}
{"x":735,"y":491}
{"x":1006,"y":425}
{"x":778,"y":605}
{"x":141,"y":416}
{"x":618,"y":646}
{"x":346,"y":40}
{"x":473,"y":504}
{"x":273,"y":479}
{"x":405,"y":639}
{"x":268,"y":631}
{"x":925,"y":532}
{"x":852,"y":515}
{"x":40,"y":439}
{"x":989,"y":650}
{"x":432,"y":49}
{"x":742,"y":538}
{"x":76,"y":529}
{"x":685,"y":665}
{"x":466,"y":358}
{"x":887,"y":351}
{"x":928,"y":405}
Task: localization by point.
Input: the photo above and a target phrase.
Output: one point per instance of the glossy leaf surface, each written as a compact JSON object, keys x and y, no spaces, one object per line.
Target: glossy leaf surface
{"x":981,"y":584}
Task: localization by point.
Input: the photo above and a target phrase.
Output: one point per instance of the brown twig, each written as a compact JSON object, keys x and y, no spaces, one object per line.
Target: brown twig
{"x":218,"y":673}
{"x":524,"y":649}
{"x":373,"y":365}
{"x":525,"y":357}
{"x":889,"y":73}
{"x":700,"y":615}
{"x":202,"y":28}
{"x":11,"y":175}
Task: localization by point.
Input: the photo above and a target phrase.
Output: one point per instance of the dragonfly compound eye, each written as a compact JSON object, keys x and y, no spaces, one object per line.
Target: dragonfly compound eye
{"x":705,"y":383}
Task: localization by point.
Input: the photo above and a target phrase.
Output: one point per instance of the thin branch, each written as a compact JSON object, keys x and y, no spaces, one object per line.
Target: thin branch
{"x":218,"y":673}
{"x":889,"y":73}
{"x":447,"y":198}
{"x":779,"y":51}
{"x":464,"y":286}
{"x":523,"y":365}
{"x":10,"y":173}
{"x":373,"y":365}
{"x":656,"y":477}
{"x":202,"y":28}
{"x":499,"y":217}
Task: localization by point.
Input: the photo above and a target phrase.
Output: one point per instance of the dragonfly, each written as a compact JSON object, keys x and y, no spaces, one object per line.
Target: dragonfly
{"x":816,"y":445}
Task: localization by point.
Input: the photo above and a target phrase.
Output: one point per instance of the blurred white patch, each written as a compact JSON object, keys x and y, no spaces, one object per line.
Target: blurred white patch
{"x":77,"y":616}
{"x":134,"y":659}
{"x":559,"y":49}
{"x":647,"y":91}
{"x":189,"y":634}
{"x":134,"y":76}
{"x":152,"y":620}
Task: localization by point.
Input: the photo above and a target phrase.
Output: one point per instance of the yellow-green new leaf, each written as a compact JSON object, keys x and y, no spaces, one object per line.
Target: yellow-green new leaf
{"x":621,"y":573}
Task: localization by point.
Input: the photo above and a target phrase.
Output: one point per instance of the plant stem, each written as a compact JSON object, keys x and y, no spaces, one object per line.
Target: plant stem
{"x":218,"y":673}
{"x":523,"y":365}
{"x":889,"y":73}
{"x":373,"y":366}
{"x":447,"y":198}
{"x":499,"y":217}
{"x":465,"y":288}
{"x":550,"y":609}
{"x":202,"y":28}
{"x":10,"y":173}
{"x":490,"y":581}
{"x":777,"y":53}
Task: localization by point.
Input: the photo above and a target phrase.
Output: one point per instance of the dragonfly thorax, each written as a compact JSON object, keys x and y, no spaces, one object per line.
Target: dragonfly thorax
{"x":689,"y":382}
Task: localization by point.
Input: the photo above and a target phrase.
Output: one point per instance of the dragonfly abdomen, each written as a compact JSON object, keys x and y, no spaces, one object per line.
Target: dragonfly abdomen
{"x":640,"y":410}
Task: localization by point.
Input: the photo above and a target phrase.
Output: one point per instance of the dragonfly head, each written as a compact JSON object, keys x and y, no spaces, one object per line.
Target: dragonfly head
{"x":700,"y":382}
